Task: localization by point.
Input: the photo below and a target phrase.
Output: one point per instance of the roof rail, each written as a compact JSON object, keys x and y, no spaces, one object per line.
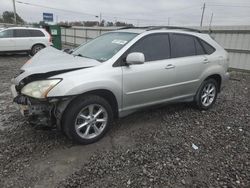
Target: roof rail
{"x":132,"y":27}
{"x":174,"y":27}
{"x":150,"y":28}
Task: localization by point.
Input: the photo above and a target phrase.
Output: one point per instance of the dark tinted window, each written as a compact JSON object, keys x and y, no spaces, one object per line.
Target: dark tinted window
{"x":182,"y":45}
{"x":36,"y":33}
{"x":199,"y":48}
{"x":154,"y":47}
{"x":6,"y":34}
{"x":21,"y":33}
{"x":208,"y":48}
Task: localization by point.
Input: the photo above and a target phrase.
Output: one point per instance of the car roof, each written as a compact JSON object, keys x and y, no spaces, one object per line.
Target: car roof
{"x":23,"y":28}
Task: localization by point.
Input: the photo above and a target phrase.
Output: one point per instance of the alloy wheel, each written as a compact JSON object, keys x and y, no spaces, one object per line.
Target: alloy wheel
{"x":208,"y":94}
{"x":91,"y":121}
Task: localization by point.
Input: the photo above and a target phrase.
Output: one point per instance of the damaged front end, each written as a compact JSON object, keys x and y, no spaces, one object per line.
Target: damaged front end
{"x":30,"y":97}
{"x":37,"y":112}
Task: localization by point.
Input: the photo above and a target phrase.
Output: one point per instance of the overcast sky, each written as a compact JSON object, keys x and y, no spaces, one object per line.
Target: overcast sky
{"x":138,"y":12}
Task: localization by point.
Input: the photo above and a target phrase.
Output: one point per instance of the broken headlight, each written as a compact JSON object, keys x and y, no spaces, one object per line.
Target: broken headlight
{"x":39,"y":89}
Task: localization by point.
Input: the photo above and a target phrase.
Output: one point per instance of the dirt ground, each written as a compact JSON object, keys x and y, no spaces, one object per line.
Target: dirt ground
{"x":171,"y":146}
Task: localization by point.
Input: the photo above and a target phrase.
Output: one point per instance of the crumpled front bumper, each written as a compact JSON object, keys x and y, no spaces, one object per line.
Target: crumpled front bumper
{"x":21,"y":107}
{"x":31,"y":108}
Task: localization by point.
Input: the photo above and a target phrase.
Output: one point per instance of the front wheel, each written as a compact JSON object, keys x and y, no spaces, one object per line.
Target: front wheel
{"x":207,"y":94}
{"x":87,"y":119}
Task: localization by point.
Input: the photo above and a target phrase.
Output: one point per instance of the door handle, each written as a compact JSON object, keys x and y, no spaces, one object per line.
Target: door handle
{"x":205,"y":61}
{"x":170,"y":66}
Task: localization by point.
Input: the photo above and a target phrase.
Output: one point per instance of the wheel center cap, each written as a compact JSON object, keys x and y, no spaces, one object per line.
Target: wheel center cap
{"x":92,"y":120}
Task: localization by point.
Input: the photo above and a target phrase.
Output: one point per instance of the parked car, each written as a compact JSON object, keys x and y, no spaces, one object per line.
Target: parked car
{"x":21,"y":39}
{"x":116,"y":74}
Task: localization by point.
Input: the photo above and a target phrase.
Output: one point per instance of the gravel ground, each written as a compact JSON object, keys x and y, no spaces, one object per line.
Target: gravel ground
{"x":171,"y":146}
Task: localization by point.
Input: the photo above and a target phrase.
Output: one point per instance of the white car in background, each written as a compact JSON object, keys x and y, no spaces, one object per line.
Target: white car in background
{"x":22,"y":39}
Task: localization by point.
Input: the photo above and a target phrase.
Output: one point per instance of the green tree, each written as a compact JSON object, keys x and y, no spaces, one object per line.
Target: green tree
{"x":102,"y":23}
{"x":110,"y":24}
{"x":8,"y":17}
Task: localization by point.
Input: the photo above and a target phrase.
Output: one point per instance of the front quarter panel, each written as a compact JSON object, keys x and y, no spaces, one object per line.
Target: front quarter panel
{"x":85,"y":80}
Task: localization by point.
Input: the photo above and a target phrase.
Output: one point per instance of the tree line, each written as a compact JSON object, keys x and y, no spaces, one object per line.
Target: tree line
{"x":8,"y":17}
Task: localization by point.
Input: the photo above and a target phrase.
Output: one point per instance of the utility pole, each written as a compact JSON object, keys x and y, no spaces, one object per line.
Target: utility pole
{"x":100,"y":19}
{"x":14,"y":8}
{"x":210,"y":24}
{"x":202,"y":15}
{"x":168,"y":21}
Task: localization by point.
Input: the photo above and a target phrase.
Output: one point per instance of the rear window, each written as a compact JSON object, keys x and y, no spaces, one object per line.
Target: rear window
{"x":207,"y":47}
{"x":199,"y":47}
{"x":36,"y":33}
{"x":28,"y":33}
{"x":182,"y":45}
{"x":21,"y":33}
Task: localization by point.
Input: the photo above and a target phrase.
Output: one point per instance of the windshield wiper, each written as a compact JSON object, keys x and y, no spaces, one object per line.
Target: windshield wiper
{"x":80,"y":55}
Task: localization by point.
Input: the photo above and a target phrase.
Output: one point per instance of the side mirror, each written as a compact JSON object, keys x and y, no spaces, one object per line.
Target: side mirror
{"x":135,"y":58}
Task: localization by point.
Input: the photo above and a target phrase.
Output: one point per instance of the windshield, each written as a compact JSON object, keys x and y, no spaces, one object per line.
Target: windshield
{"x":105,"y":46}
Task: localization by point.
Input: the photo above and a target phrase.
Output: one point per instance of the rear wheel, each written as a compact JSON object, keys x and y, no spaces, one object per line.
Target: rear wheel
{"x":36,"y":48}
{"x":207,"y":94}
{"x":87,"y":119}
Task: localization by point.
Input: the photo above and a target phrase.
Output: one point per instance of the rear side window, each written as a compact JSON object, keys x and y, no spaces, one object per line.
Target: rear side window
{"x":6,"y":33}
{"x":199,"y":48}
{"x":36,"y":33}
{"x":154,"y":47}
{"x":21,"y":33}
{"x":207,"y":47}
{"x":182,"y":45}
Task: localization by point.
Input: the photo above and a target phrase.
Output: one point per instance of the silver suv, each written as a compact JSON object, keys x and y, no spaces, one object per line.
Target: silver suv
{"x":116,"y":74}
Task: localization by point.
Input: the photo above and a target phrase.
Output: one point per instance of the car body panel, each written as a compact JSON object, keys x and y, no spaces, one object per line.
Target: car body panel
{"x":50,"y":59}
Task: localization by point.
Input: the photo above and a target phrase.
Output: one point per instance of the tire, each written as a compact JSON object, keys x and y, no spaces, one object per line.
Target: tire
{"x":207,"y":94}
{"x":36,"y":48}
{"x":80,"y":120}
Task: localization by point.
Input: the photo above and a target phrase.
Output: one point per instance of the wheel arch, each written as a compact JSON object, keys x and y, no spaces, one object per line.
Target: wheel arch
{"x":107,"y":95}
{"x":39,"y":43}
{"x":216,"y":77}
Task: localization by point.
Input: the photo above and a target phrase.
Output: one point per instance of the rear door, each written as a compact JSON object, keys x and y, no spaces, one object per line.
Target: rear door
{"x":190,"y":63}
{"x":7,"y":42}
{"x":23,"y":39}
{"x":151,"y":82}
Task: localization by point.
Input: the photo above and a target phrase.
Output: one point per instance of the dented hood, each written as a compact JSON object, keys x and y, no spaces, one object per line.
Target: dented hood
{"x":51,"y":60}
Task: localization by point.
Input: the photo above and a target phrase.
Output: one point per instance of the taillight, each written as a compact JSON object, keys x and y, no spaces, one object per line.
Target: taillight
{"x":50,"y":38}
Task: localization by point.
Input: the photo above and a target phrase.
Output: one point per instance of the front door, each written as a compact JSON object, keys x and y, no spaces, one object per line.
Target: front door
{"x":151,"y":82}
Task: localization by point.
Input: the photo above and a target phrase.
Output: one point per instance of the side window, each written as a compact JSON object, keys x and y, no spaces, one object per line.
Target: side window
{"x":154,"y":47}
{"x":6,"y":33}
{"x":208,"y":48}
{"x":21,"y":33}
{"x":199,"y":48}
{"x":182,"y":45}
{"x":36,"y":33}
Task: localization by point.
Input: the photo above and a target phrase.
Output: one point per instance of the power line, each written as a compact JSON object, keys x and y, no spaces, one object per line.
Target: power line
{"x":235,"y":6}
{"x":65,"y":10}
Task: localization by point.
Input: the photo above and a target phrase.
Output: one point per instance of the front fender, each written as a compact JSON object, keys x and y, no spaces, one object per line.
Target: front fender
{"x":78,"y":86}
